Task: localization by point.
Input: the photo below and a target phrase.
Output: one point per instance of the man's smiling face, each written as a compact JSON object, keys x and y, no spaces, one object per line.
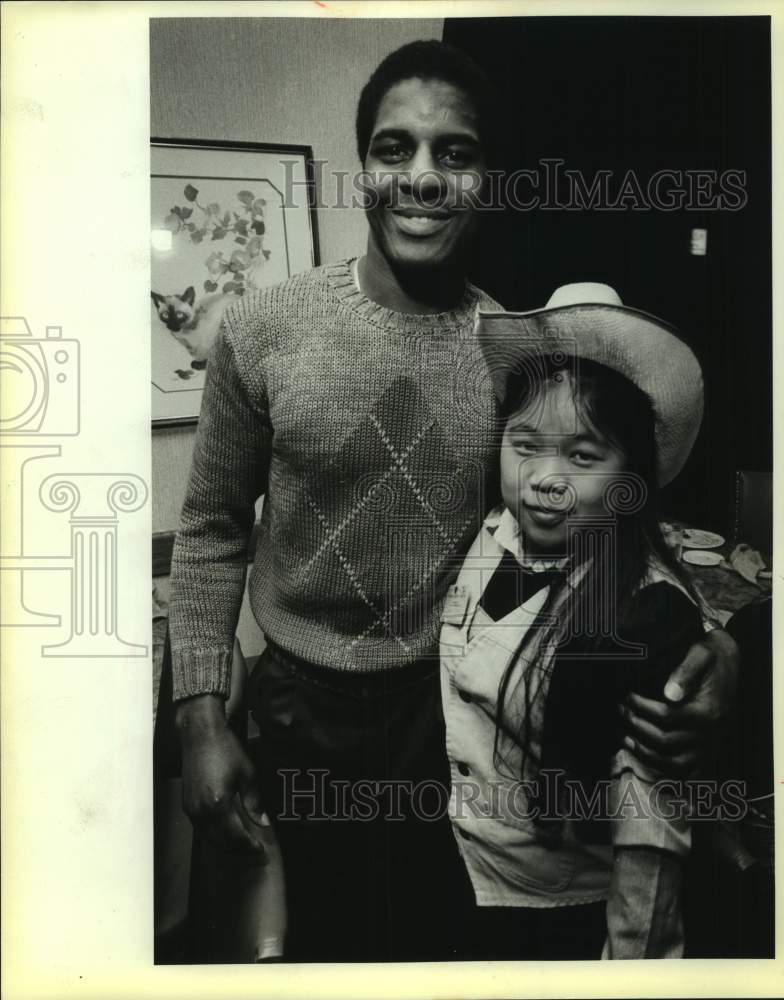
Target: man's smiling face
{"x":426,"y":156}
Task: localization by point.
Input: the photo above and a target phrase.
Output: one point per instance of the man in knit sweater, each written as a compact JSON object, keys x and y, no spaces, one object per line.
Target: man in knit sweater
{"x":354,"y":398}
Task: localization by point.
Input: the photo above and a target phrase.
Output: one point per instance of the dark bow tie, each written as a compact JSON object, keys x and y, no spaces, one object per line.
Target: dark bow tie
{"x":512,"y":585}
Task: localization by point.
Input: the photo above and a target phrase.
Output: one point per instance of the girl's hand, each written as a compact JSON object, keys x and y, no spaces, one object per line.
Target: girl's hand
{"x":674,"y":735}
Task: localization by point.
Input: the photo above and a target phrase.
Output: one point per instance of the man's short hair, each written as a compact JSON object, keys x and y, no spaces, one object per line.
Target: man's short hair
{"x":427,"y":60}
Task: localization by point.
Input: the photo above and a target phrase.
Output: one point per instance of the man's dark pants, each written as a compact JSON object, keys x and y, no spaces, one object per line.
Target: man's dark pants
{"x":354,"y":775}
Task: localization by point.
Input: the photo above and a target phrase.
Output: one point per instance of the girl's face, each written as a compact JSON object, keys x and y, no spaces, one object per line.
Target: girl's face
{"x":555,"y":467}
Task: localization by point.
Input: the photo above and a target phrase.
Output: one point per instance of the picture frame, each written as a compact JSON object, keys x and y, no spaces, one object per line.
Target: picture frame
{"x":225,"y":218}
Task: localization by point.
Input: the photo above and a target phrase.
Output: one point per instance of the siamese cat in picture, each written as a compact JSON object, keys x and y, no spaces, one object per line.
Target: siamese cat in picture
{"x":193,"y":326}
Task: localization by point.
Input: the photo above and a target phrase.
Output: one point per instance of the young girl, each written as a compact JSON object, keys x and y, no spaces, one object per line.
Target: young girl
{"x":568,"y":600}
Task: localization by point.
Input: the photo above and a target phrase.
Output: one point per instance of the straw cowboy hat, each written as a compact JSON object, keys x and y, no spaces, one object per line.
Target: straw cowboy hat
{"x":588,"y":320}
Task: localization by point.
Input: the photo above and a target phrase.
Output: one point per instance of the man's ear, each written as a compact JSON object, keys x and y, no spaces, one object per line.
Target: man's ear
{"x":157,"y":298}
{"x":188,"y":295}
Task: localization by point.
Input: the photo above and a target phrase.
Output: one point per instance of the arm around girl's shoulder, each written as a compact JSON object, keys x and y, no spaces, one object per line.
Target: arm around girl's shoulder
{"x":666,"y":621}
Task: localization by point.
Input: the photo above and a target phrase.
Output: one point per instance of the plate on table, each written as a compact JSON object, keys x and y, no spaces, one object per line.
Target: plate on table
{"x":699,"y":558}
{"x":696,"y":538}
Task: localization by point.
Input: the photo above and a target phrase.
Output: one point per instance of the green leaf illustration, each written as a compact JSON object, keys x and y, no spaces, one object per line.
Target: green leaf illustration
{"x":267,"y":254}
{"x":246,"y":197}
{"x":241,"y":240}
{"x":229,"y":286}
{"x":258,"y":227}
{"x":198,"y":236}
{"x":172,"y":222}
{"x":254,"y":246}
{"x":191,"y":193}
{"x":258,"y":206}
{"x":185,"y":213}
{"x":210,"y":286}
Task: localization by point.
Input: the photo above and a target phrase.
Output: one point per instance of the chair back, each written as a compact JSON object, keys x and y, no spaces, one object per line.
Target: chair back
{"x":754,"y":510}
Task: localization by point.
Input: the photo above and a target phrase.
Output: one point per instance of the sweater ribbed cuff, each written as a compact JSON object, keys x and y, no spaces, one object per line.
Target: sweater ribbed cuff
{"x":203,"y":671}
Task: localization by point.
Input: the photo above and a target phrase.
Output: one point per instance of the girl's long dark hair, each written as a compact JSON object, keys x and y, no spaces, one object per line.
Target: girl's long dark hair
{"x":579,"y":741}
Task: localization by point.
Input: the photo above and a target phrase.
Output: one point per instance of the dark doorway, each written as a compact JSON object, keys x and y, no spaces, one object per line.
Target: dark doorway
{"x":689,"y":95}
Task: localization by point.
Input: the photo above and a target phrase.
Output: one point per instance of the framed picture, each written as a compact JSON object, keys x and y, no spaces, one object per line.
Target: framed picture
{"x":226,"y":218}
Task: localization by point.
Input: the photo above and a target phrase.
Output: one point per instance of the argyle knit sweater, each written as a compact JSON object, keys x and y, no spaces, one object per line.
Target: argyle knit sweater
{"x":370,"y":434}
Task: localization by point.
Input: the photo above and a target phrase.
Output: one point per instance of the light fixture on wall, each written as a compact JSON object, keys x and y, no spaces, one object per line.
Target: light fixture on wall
{"x":699,"y":242}
{"x":161,"y":240}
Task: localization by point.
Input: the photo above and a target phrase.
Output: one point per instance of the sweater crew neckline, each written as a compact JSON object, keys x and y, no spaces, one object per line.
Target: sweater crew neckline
{"x":341,"y":279}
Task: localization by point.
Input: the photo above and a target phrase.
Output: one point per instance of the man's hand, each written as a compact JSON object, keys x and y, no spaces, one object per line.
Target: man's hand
{"x":219,"y":792}
{"x":673,"y":736}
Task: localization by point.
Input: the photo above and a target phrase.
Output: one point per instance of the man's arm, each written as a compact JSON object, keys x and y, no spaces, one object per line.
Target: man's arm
{"x":673,"y":735}
{"x":228,"y":474}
